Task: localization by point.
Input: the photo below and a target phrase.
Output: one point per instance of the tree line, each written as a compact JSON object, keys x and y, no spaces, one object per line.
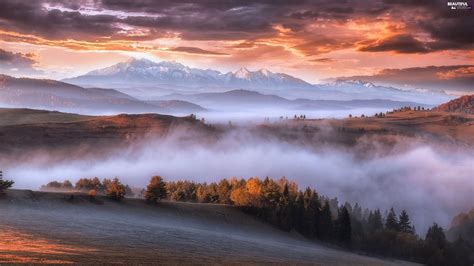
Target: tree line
{"x":281,"y":203}
{"x":112,"y":188}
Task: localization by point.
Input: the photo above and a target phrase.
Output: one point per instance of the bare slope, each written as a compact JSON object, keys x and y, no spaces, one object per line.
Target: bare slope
{"x":464,"y":104}
{"x":53,"y":227}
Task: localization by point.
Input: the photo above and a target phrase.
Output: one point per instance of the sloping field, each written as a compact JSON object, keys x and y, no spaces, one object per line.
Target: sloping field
{"x":57,"y":228}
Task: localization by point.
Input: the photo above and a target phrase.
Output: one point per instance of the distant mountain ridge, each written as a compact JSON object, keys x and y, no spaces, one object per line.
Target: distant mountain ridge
{"x":145,"y":72}
{"x":239,"y":99}
{"x":148,"y":80}
{"x":56,"y":95}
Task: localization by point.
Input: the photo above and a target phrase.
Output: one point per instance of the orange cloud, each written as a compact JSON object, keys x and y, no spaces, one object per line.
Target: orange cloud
{"x":462,"y":72}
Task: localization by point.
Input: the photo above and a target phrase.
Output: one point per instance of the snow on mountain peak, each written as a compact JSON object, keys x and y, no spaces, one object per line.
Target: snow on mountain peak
{"x":242,"y":73}
{"x":265,"y":72}
{"x":145,"y":72}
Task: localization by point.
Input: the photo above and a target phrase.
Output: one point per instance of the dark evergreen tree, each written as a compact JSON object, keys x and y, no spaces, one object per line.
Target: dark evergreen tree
{"x":404,"y":223}
{"x":4,"y":184}
{"x":436,"y":247}
{"x":374,"y":221}
{"x":435,"y":236}
{"x":311,"y":213}
{"x":298,"y":212}
{"x":391,"y":222}
{"x":343,"y":228}
{"x":285,"y":206}
{"x":325,"y":222}
{"x":357,"y":212}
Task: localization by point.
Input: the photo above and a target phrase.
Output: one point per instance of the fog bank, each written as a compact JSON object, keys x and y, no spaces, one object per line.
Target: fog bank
{"x":432,"y":185}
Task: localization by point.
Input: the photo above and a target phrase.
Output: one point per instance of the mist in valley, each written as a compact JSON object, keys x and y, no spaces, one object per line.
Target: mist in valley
{"x":431,"y":182}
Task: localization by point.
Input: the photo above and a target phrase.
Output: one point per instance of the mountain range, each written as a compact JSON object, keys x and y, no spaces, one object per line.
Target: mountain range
{"x":236,"y":100}
{"x":61,"y":96}
{"x":143,"y":72}
{"x":146,"y":79}
{"x":56,"y":95}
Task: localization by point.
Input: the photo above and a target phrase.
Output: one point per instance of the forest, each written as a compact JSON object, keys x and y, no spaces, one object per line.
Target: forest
{"x":281,"y":203}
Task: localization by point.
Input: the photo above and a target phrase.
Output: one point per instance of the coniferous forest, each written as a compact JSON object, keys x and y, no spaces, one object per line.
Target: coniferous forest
{"x":281,"y":203}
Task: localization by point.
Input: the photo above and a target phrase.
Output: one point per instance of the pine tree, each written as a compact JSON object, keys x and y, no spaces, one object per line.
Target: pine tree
{"x":284,"y":207}
{"x":325,"y":222}
{"x":311,"y":213}
{"x":404,"y":223}
{"x":435,"y":236}
{"x":156,"y":190}
{"x":344,"y":230}
{"x":4,"y":184}
{"x":298,"y":212}
{"x":357,"y":212}
{"x":374,"y":221}
{"x":391,"y":222}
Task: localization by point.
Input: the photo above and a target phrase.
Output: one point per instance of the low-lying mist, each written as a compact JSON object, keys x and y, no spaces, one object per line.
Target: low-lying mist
{"x":431,"y":183}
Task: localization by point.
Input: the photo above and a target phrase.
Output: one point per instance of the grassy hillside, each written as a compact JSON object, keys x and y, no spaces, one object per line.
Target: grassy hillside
{"x":60,"y":228}
{"x":12,"y":116}
{"x":25,"y":129}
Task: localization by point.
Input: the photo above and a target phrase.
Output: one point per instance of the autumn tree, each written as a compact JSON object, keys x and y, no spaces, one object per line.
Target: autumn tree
{"x":224,"y":188}
{"x":156,"y":190}
{"x":67,"y":185}
{"x":86,"y":184}
{"x":202,"y":195}
{"x":115,"y":190}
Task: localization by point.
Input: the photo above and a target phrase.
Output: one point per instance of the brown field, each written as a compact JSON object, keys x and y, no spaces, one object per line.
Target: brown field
{"x":42,"y":227}
{"x":431,"y":127}
{"x":23,"y":130}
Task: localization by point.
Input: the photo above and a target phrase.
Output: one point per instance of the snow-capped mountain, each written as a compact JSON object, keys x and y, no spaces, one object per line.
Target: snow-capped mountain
{"x":149,"y":80}
{"x":263,"y":78}
{"x":145,"y":73}
{"x":359,"y":89}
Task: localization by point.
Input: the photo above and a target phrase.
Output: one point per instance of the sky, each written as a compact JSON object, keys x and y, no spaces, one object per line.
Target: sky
{"x":312,"y":40}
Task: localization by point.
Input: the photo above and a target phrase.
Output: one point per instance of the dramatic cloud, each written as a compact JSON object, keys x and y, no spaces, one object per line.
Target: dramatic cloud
{"x":11,"y":63}
{"x":195,"y":50}
{"x":323,"y":60}
{"x":239,"y":20}
{"x":400,"y":43}
{"x":294,"y":33}
{"x":462,"y":72}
